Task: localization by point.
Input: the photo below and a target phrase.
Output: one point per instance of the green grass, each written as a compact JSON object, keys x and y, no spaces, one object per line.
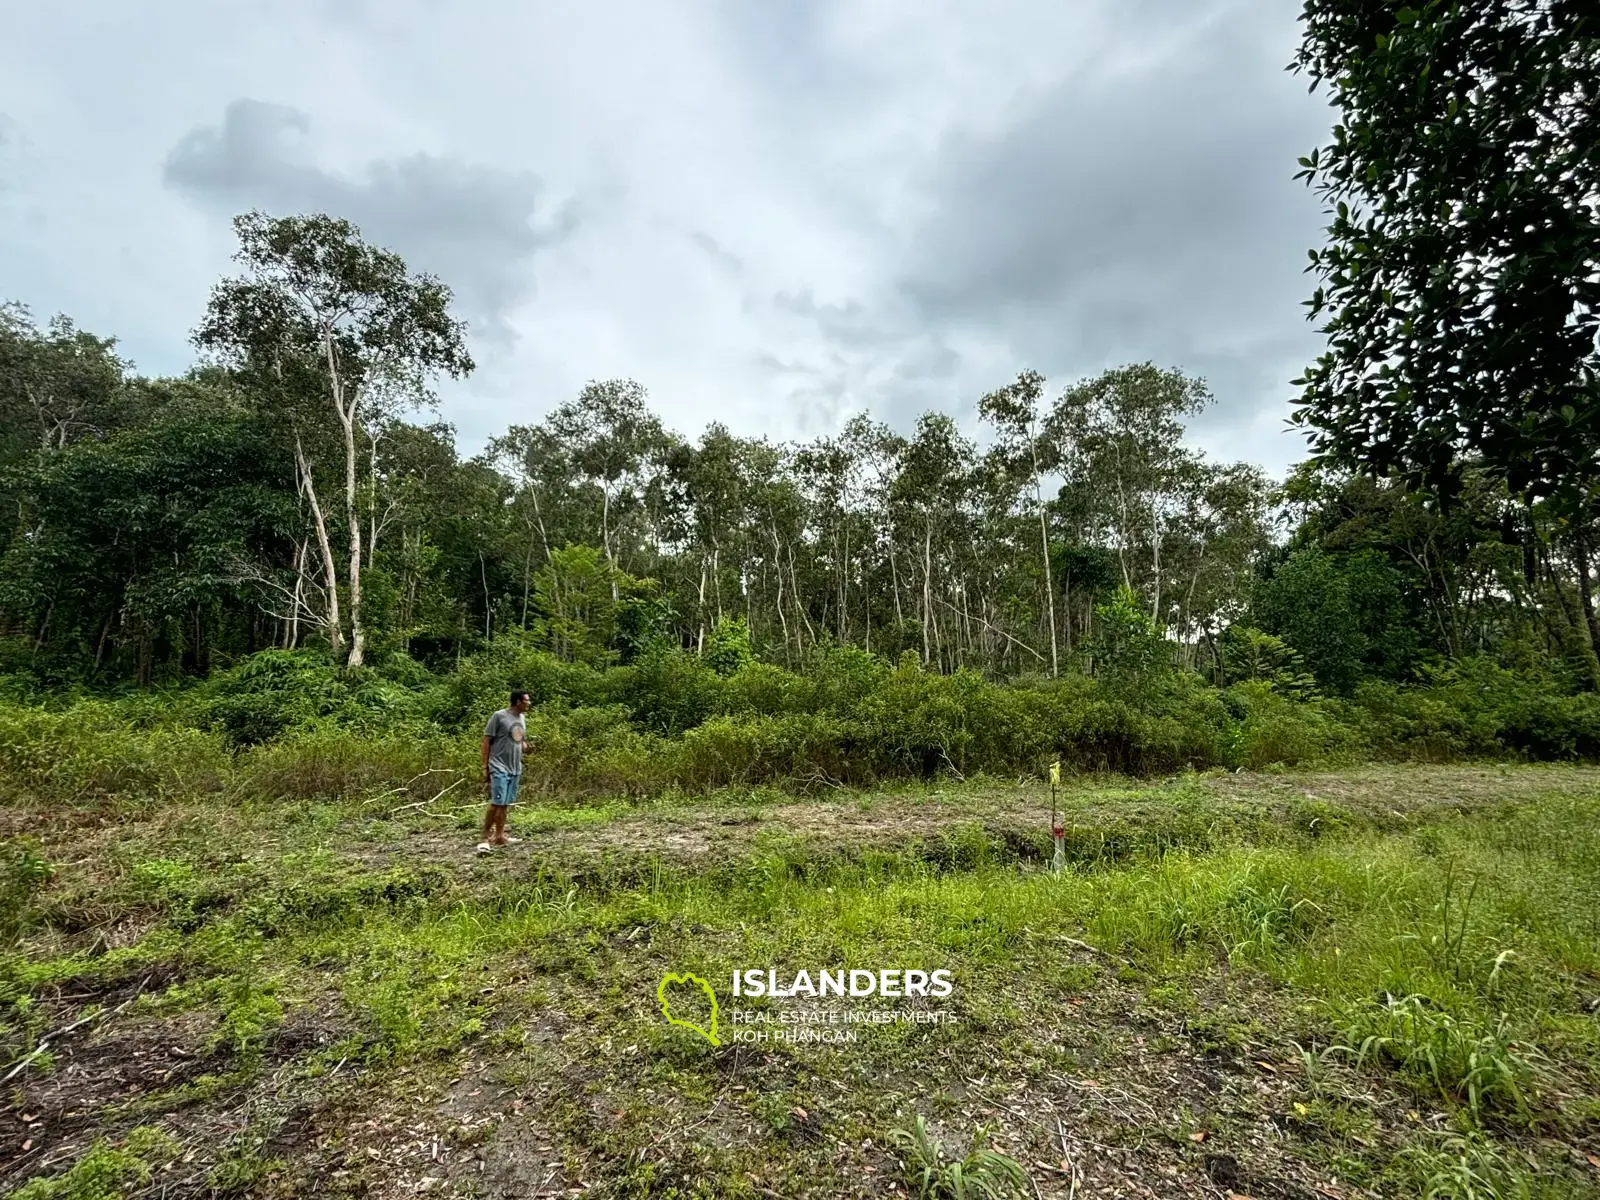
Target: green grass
{"x":1439,"y":975}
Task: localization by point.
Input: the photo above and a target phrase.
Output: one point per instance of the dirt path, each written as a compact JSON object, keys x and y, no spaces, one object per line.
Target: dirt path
{"x":1103,"y":819}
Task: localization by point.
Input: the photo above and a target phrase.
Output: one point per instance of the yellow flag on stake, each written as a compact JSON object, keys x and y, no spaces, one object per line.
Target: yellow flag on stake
{"x":1055,"y":773}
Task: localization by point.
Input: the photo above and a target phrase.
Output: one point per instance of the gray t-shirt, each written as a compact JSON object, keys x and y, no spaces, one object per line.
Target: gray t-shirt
{"x":505,"y":732}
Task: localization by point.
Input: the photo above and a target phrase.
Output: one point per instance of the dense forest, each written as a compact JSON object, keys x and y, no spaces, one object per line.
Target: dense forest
{"x":1422,"y":583}
{"x":158,"y":528}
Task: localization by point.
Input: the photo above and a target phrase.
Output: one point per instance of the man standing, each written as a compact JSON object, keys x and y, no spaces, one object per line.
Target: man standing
{"x":503,"y":740}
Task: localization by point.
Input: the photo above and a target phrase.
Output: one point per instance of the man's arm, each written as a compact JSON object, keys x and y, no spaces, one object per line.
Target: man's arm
{"x":487,"y":742}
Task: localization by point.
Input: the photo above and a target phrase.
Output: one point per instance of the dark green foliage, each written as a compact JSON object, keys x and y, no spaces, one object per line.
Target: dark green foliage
{"x":278,"y":690}
{"x":1086,"y":570}
{"x":23,"y":872}
{"x":480,"y":682}
{"x":1459,"y":283}
{"x":1127,"y":650}
{"x":1347,"y":616}
{"x":668,"y":690}
{"x":144,"y":538}
{"x":727,"y":647}
{"x":1247,"y":654}
{"x":1307,"y":602}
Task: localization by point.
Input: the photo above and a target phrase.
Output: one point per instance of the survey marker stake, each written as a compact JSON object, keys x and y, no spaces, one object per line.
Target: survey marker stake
{"x":1056,"y":829}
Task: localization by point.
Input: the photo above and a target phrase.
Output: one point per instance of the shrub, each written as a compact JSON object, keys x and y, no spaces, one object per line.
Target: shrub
{"x":762,"y":688}
{"x":667,"y":690}
{"x":801,"y":747}
{"x":1272,"y":728}
{"x":22,"y":874}
{"x":274,"y":691}
{"x":727,"y":649}
{"x":89,"y":752}
{"x":481,"y":683}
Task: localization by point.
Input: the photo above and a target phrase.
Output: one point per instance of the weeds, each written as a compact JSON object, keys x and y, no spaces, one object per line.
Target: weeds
{"x":403,"y":967}
{"x":106,"y":1172}
{"x":1461,"y":1060}
{"x":937,"y":1174}
{"x":1460,"y":1167}
{"x":23,"y":872}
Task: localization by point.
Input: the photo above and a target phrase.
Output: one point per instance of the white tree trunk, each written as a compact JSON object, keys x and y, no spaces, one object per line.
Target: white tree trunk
{"x":348,"y":411}
{"x":330,"y":573}
{"x":1044,"y":551}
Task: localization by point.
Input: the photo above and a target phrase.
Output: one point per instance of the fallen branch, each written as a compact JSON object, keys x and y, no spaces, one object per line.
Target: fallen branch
{"x":1088,"y":949}
{"x":58,"y":1034}
{"x":43,"y":1046}
{"x":424,"y":803}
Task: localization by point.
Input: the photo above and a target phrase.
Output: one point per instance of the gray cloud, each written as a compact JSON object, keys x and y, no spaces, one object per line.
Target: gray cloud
{"x":472,"y":225}
{"x":844,"y":325}
{"x":867,"y":359}
{"x":791,"y":211}
{"x":717,"y":252}
{"x":1126,"y":215}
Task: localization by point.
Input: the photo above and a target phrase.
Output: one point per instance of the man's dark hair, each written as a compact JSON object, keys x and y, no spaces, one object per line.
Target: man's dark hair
{"x":519,"y":693}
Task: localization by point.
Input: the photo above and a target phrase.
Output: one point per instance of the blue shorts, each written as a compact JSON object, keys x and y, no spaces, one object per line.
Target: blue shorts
{"x":503,"y":788}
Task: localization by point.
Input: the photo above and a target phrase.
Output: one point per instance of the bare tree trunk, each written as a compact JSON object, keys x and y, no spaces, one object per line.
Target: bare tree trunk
{"x":357,"y":634}
{"x":716,"y":575}
{"x":1066,"y":605}
{"x":700,"y":640}
{"x":291,"y":629}
{"x":1122,"y":507}
{"x":372,"y":497}
{"x":1188,"y":601}
{"x":966,"y":620}
{"x":1155,"y":562}
{"x":844,"y":585}
{"x":866,"y":592}
{"x":927,"y":586}
{"x":527,"y":577}
{"x":605,"y":539}
{"x":894,"y":580}
{"x":1580,"y":554}
{"x":749,"y":603}
{"x":483,"y":575}
{"x":778,"y":563}
{"x":794,"y":585}
{"x":1044,"y":553}
{"x":105,"y":632}
{"x":329,"y":571}
{"x":348,"y":411}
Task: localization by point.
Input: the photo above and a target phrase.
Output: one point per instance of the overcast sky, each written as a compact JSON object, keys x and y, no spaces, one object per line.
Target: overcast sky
{"x":772,"y":213}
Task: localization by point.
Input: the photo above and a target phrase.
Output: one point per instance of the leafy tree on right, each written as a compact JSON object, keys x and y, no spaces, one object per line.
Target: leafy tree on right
{"x":1460,"y":286}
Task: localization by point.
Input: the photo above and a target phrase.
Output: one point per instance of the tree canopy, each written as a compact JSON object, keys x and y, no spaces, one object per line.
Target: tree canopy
{"x":1460,"y":285}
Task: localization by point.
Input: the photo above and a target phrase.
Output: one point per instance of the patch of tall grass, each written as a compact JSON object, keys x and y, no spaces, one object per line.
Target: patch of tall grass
{"x":287,"y":726}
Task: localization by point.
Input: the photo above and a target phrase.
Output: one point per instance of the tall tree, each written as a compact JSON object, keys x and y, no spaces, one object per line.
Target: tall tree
{"x":1123,"y":455}
{"x":613,"y":439}
{"x":315,"y":292}
{"x":1460,"y":286}
{"x":1014,"y":412}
